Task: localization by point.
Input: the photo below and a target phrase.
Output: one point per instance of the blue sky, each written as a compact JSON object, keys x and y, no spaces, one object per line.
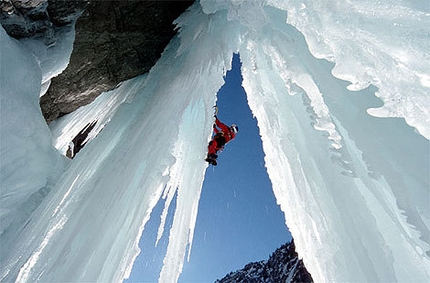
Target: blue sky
{"x":239,"y":220}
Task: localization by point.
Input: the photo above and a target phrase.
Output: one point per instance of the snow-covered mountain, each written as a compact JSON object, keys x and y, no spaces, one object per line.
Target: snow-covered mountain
{"x":283,"y":265}
{"x":340,"y":90}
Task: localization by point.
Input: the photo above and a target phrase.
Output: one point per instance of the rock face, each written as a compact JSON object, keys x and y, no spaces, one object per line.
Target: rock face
{"x":115,"y":41}
{"x":282,"y":266}
{"x":38,"y":18}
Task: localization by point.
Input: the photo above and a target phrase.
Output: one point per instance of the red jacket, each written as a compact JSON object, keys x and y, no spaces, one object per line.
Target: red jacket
{"x":227,"y":133}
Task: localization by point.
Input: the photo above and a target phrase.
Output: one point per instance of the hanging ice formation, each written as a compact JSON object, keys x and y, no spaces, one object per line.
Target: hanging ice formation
{"x":354,"y":188}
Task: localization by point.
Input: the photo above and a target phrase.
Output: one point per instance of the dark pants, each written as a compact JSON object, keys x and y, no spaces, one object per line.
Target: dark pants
{"x":217,"y":142}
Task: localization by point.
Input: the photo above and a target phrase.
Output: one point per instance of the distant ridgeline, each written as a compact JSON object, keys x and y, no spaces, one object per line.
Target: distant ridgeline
{"x":283,"y":265}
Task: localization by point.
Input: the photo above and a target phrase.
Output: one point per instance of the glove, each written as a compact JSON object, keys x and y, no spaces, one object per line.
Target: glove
{"x":214,"y":125}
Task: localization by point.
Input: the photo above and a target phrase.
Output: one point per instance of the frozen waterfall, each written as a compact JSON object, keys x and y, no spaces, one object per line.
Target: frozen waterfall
{"x":341,"y":94}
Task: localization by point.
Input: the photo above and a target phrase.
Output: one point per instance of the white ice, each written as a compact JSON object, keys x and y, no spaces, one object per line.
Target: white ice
{"x":28,"y":161}
{"x":354,"y":187}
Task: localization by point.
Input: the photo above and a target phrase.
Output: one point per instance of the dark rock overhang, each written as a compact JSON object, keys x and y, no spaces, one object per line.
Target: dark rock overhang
{"x":115,"y":41}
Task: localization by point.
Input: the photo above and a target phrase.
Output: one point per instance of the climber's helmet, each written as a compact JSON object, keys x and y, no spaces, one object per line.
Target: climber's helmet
{"x":234,"y":128}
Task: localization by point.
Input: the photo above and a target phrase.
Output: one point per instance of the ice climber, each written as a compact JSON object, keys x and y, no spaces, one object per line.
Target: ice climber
{"x":222,"y":136}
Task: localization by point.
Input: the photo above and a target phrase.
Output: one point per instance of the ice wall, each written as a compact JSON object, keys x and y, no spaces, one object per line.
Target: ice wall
{"x":372,"y":42}
{"x":354,"y":188}
{"x":154,"y":146}
{"x":28,"y":161}
{"x":29,"y":164}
